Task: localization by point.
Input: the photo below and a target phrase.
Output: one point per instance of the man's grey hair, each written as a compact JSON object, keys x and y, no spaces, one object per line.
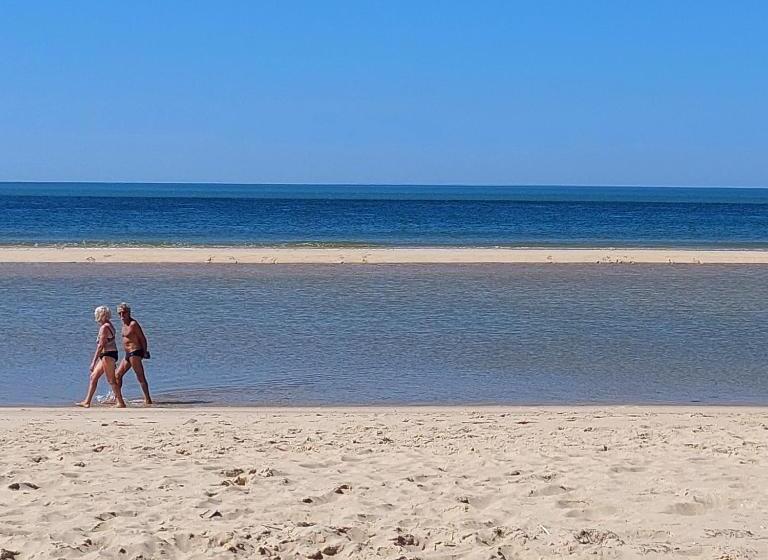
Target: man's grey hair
{"x":123,"y":307}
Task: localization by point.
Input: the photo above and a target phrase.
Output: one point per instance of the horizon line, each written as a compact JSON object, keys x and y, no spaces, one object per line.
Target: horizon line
{"x":365,"y":184}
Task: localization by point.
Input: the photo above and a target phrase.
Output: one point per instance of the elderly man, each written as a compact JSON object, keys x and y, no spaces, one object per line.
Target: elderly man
{"x":135,"y":344}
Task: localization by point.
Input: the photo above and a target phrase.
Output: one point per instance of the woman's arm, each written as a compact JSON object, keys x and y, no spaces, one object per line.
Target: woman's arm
{"x":100,"y":344}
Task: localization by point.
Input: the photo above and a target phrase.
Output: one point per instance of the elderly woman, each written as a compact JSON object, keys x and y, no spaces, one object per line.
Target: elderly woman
{"x":105,"y":357}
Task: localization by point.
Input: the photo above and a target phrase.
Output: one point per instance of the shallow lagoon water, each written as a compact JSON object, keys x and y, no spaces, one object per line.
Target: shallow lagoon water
{"x":397,"y":334}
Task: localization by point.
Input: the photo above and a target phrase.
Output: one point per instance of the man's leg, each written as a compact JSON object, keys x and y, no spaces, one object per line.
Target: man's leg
{"x":121,"y":370}
{"x":138,"y":367}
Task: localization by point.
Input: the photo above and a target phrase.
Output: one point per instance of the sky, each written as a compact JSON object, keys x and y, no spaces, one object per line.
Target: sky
{"x":385,"y":92}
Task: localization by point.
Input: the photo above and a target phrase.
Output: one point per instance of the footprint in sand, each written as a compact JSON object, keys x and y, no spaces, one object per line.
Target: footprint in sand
{"x":622,"y":469}
{"x":568,"y":504}
{"x":551,"y":490}
{"x":591,"y":514}
{"x":688,"y":508}
{"x":478,"y":502}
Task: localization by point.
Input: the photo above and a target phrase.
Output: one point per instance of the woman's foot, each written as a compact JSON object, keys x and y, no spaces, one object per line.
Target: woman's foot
{"x":83,"y":404}
{"x":120,"y":405}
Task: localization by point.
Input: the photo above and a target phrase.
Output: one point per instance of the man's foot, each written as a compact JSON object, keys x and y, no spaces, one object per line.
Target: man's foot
{"x":148,"y":403}
{"x":118,"y":405}
{"x":83,"y":404}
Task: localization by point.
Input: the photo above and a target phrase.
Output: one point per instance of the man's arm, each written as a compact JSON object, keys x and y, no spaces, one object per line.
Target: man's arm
{"x":142,"y":338}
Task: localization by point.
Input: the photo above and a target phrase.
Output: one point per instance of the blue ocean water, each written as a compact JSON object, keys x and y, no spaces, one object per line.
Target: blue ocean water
{"x":394,"y":334}
{"x":251,"y":215}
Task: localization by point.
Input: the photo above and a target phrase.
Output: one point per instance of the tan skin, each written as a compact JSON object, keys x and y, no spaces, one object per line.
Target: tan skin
{"x":100,"y":366}
{"x":133,"y":340}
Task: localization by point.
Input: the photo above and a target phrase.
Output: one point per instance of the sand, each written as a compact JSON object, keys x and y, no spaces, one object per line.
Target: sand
{"x":522,"y":482}
{"x":425,"y":255}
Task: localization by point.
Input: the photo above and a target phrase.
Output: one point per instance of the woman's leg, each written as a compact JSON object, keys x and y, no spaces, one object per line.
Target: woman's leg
{"x":109,"y":369}
{"x":93,"y":381}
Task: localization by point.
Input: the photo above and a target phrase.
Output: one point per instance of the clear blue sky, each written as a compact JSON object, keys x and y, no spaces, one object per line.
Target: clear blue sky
{"x":542,"y":92}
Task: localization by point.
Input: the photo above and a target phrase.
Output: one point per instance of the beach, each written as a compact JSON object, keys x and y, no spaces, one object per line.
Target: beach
{"x":281,"y":329}
{"x":383,"y":281}
{"x":395,"y":482}
{"x":376,"y":255}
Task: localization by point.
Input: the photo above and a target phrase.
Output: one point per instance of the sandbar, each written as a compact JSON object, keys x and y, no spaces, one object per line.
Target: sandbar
{"x":376,"y":255}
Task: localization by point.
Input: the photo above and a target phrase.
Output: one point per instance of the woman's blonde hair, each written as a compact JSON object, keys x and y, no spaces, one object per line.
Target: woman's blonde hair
{"x":102,"y":313}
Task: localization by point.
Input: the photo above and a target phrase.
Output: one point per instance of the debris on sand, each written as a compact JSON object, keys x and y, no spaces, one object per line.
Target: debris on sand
{"x":210,"y":514}
{"x":20,"y":485}
{"x":406,"y":540}
{"x":331,"y":550}
{"x":342,"y":488}
{"x":595,"y":536}
{"x":266,"y":472}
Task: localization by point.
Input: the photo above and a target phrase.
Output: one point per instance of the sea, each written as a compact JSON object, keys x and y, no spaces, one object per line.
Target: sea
{"x":324,"y":335}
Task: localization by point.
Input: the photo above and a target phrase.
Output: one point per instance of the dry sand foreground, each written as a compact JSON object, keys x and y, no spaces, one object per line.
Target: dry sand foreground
{"x":420,"y":255}
{"x":607,"y":482}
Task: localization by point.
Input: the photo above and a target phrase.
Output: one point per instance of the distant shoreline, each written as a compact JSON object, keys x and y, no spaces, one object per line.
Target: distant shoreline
{"x":377,"y":255}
